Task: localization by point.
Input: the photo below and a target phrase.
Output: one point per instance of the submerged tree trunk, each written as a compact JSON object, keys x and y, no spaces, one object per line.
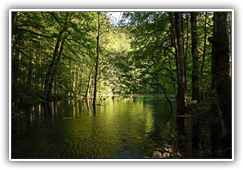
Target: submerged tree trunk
{"x":178,"y":43}
{"x":221,"y":80}
{"x":195,"y":66}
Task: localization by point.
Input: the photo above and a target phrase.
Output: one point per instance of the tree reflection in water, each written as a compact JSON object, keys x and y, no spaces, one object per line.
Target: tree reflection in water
{"x":121,"y":128}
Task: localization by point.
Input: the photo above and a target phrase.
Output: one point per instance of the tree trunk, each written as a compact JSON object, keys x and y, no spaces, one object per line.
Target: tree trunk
{"x":81,"y":81}
{"x":14,"y":14}
{"x":187,"y":42}
{"x":89,"y":84}
{"x":221,"y":80}
{"x":71,"y":82}
{"x":51,"y":69}
{"x":96,"y":74}
{"x":195,"y":66}
{"x":97,"y":61}
{"x":74,"y":81}
{"x":29,"y":77}
{"x":204,"y":54}
{"x":178,"y":43}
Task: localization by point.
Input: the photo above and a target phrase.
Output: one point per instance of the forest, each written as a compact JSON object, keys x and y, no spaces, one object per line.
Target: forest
{"x":178,"y":56}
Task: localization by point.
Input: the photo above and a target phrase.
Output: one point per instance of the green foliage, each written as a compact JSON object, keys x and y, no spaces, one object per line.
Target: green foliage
{"x":136,"y":56}
{"x":151,"y":58}
{"x":35,"y":35}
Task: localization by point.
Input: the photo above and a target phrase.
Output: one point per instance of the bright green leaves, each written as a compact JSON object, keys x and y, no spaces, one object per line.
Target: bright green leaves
{"x":132,"y":55}
{"x":35,"y":37}
{"x":150,"y":44}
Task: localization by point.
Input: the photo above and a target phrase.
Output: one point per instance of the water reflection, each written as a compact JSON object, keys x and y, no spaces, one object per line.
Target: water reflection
{"x":121,"y":128}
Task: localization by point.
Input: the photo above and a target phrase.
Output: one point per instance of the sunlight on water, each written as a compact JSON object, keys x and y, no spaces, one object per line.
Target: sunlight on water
{"x":69,"y":129}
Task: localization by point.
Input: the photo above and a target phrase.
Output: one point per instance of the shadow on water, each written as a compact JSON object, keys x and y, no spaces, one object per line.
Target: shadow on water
{"x":200,"y":140}
{"x":190,"y":137}
{"x":122,"y":127}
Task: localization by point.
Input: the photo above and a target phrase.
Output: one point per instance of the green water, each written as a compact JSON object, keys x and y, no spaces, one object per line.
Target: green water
{"x":121,"y":128}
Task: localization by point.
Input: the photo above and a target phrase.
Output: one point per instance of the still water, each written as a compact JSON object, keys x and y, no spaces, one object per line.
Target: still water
{"x":120,"y":128}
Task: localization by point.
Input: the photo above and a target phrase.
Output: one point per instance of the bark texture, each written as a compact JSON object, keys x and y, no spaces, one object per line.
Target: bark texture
{"x":195,"y":66}
{"x":178,"y":43}
{"x":221,"y":80}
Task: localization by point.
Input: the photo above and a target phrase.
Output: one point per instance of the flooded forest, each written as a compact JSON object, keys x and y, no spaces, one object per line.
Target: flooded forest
{"x":121,"y":85}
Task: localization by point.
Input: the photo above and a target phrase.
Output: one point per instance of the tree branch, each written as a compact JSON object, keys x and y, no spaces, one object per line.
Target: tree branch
{"x":27,"y":25}
{"x":164,"y":91}
{"x":56,"y":20}
{"x":36,"y":33}
{"x":167,"y":48}
{"x":199,"y":50}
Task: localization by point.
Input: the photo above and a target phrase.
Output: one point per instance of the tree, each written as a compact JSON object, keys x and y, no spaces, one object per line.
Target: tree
{"x":195,"y":67}
{"x":54,"y":63}
{"x":43,"y":45}
{"x":221,"y":80}
{"x":178,"y":43}
{"x":53,"y":55}
{"x":88,"y":90}
{"x":103,"y":26}
{"x":204,"y":54}
{"x":97,"y":58}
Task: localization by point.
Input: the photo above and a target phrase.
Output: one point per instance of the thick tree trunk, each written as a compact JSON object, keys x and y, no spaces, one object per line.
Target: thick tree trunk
{"x":221,"y":80}
{"x":195,"y":66}
{"x":178,"y":42}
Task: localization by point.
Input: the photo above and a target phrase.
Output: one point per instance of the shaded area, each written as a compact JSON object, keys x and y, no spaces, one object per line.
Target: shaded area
{"x":122,"y":128}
